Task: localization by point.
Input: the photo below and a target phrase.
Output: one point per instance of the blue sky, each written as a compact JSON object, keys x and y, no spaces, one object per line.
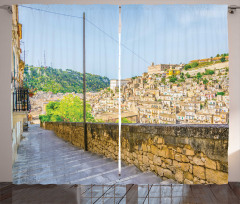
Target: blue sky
{"x":159,"y":34}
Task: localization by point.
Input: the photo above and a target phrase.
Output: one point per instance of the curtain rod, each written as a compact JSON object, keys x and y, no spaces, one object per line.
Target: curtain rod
{"x":7,"y":7}
{"x":231,"y":9}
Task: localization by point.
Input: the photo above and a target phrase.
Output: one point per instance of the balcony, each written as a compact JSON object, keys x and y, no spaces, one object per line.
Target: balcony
{"x":21,"y":100}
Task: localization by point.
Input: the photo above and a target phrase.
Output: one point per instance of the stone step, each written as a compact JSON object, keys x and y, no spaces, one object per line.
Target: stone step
{"x":44,"y":158}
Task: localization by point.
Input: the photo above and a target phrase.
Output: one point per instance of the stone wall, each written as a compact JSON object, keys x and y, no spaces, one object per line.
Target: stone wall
{"x":186,"y":153}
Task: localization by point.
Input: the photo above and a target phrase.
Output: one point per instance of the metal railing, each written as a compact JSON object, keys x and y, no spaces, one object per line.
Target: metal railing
{"x":21,"y":100}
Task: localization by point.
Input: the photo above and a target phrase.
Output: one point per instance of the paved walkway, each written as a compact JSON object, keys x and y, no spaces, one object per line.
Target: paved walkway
{"x":43,"y":158}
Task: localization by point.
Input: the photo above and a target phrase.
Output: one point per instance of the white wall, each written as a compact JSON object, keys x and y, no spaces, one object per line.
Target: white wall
{"x":5,"y":67}
{"x":5,"y":91}
{"x":234,"y":67}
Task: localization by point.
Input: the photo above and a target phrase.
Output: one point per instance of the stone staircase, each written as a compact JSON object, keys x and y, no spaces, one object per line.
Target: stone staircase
{"x":43,"y":158}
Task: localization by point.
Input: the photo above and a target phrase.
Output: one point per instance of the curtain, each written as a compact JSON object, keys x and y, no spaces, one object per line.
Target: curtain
{"x":53,"y":44}
{"x":175,"y":62}
{"x":174,"y":74}
{"x":162,"y":42}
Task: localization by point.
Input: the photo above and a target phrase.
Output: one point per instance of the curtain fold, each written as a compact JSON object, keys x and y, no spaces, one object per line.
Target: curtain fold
{"x":174,"y":70}
{"x":158,"y":43}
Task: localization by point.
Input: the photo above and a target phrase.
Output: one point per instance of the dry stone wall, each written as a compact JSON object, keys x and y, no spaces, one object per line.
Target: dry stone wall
{"x":186,"y":153}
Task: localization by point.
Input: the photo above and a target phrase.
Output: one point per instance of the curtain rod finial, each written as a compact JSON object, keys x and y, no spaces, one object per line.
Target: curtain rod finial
{"x":232,"y":9}
{"x":7,"y":7}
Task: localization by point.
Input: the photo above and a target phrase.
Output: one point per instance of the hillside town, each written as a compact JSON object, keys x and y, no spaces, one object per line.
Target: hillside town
{"x":169,"y":94}
{"x":166,"y":94}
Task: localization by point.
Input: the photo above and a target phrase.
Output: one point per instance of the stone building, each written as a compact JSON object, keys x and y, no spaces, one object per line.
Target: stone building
{"x":114,"y":83}
{"x":160,"y":68}
{"x":19,"y":99}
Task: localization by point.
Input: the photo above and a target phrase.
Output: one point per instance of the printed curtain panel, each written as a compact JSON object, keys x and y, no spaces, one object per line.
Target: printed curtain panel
{"x":154,"y":77}
{"x":175,"y":76}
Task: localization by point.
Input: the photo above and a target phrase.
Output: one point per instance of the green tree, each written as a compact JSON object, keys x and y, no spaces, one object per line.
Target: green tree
{"x":182,"y":75}
{"x":188,"y":75}
{"x":52,"y":107}
{"x":223,"y":59}
{"x":199,"y":75}
{"x":172,"y":79}
{"x":51,"y":115}
{"x":194,"y":64}
{"x":59,"y":81}
{"x":187,"y":66}
{"x":182,"y":78}
{"x":69,"y":109}
{"x":221,"y":93}
{"x":209,"y":72}
{"x":205,"y":81}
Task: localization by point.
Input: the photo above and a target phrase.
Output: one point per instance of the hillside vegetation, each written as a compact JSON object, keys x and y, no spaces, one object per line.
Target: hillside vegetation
{"x":196,"y":65}
{"x":60,"y":81}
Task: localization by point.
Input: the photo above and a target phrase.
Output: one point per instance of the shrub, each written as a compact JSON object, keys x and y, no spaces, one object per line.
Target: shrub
{"x":187,"y":66}
{"x":205,"y":81}
{"x":44,"y":118}
{"x":124,"y":120}
{"x":172,"y":79}
{"x":199,"y":75}
{"x":194,"y":64}
{"x":209,"y":72}
{"x":221,"y":93}
{"x":223,"y":59}
{"x":188,"y":75}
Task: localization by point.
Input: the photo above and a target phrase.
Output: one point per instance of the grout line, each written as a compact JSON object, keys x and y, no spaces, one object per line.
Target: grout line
{"x":147,"y":196}
{"x":125,"y":193}
{"x":104,"y":193}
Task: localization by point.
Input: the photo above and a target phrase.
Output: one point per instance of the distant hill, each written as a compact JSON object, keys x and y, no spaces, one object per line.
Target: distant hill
{"x":59,"y":81}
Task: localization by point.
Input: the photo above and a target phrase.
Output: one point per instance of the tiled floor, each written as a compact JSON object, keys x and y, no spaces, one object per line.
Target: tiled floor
{"x":43,"y":158}
{"x":111,"y":194}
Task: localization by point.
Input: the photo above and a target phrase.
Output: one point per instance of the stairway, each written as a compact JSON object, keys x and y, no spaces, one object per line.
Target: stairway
{"x":43,"y":158}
